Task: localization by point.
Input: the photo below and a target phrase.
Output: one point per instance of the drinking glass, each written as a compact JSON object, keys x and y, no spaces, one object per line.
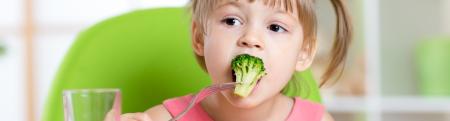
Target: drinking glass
{"x":92,"y":105}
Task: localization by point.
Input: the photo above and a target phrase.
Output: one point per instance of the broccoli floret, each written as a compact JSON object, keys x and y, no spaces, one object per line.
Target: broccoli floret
{"x":247,"y":71}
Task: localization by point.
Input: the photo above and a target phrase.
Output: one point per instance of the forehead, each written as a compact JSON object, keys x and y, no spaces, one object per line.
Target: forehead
{"x":287,"y":6}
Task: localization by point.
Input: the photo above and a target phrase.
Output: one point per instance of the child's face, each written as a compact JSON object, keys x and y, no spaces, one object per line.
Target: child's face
{"x":257,"y":29}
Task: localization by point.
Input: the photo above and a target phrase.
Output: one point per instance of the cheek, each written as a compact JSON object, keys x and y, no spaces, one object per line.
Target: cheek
{"x":218,"y":52}
{"x":282,"y":61}
{"x":217,"y":60}
{"x":281,"y":69}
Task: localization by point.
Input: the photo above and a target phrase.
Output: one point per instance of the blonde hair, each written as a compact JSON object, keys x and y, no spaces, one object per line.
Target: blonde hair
{"x":200,"y":10}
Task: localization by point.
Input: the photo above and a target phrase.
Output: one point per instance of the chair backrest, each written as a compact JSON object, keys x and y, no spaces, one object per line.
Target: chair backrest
{"x":145,"y":53}
{"x":433,"y":62}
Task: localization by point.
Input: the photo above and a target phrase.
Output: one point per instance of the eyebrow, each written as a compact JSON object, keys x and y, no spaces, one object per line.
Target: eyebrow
{"x":277,"y":9}
{"x":285,"y":12}
{"x":233,"y":3}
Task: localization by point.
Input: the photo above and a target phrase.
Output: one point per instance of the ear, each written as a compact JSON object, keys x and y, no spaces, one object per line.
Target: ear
{"x":305,"y":58}
{"x":197,"y":39}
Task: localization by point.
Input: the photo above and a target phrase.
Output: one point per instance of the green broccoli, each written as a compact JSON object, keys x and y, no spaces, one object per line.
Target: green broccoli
{"x":247,"y":71}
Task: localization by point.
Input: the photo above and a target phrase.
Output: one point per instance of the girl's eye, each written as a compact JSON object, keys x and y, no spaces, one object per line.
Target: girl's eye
{"x":231,"y":21}
{"x":276,"y":28}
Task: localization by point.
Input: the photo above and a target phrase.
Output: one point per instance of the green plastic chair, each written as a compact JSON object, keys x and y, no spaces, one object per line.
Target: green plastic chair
{"x":147,"y":54}
{"x":433,"y":61}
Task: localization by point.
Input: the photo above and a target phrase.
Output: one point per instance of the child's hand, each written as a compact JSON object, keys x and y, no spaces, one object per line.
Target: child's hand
{"x":128,"y":117}
{"x":156,"y":113}
{"x":135,"y":117}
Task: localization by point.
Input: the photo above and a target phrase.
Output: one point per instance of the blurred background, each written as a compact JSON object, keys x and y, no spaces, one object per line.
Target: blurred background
{"x":398,"y":68}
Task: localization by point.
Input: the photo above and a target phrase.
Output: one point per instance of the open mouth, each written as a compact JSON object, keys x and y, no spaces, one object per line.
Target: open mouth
{"x":233,"y":75}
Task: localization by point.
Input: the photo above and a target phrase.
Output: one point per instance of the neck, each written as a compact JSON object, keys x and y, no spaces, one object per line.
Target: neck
{"x":218,"y":108}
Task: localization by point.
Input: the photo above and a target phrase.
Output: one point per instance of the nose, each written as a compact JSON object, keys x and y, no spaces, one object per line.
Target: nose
{"x":251,"y":40}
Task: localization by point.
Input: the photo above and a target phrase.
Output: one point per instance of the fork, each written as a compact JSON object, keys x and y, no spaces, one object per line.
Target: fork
{"x":205,"y":92}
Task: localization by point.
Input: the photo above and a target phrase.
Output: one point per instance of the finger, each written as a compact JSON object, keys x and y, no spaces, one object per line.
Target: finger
{"x":127,"y":117}
{"x":135,"y":117}
{"x":142,"y":117}
{"x":109,"y":116}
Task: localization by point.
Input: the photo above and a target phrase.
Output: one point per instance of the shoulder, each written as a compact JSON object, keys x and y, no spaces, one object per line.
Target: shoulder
{"x":308,"y":110}
{"x":315,"y":107}
{"x":163,"y":112}
{"x":327,"y":117}
{"x":158,"y":113}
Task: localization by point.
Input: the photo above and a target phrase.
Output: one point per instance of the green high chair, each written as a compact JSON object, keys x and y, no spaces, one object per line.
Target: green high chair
{"x":147,"y":54}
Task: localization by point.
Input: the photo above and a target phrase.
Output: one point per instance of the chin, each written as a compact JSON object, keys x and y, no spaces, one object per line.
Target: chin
{"x":248,"y":102}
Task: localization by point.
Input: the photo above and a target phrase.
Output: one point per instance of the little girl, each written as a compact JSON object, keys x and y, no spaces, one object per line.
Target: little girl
{"x":280,"y":32}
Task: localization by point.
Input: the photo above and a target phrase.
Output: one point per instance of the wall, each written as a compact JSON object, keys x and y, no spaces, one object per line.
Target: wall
{"x":57,"y":24}
{"x":404,"y":23}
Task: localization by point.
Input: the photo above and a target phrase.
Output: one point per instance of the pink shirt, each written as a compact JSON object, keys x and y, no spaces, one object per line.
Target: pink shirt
{"x":302,"y":111}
